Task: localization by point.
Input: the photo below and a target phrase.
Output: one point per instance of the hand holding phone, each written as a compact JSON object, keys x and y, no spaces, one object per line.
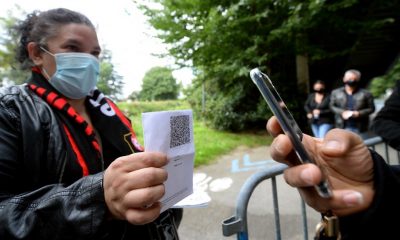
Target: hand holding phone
{"x":288,"y":124}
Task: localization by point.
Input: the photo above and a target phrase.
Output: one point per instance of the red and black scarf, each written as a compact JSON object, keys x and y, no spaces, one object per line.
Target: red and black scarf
{"x":115,"y":130}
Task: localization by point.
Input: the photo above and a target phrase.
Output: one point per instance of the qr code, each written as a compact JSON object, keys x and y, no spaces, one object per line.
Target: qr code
{"x":180,"y":130}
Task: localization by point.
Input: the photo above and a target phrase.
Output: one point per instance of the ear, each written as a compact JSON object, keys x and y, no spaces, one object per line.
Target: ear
{"x":34,"y":53}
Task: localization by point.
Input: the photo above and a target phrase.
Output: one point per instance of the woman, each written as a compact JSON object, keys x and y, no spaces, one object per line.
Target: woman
{"x":71,"y":167}
{"x":318,"y":112}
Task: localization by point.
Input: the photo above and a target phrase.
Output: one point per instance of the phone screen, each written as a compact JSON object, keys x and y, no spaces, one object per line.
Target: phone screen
{"x":287,"y":122}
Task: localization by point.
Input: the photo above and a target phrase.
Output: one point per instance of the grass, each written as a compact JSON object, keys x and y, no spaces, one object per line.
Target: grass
{"x":209,"y":143}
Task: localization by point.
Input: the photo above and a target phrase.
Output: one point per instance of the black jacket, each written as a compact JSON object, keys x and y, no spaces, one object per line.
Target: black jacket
{"x":42,"y":192}
{"x":387,"y":121}
{"x":377,"y":221}
{"x":326,"y":115}
{"x":363,"y":103}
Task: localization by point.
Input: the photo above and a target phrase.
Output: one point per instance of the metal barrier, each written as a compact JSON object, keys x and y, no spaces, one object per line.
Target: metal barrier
{"x":237,"y":224}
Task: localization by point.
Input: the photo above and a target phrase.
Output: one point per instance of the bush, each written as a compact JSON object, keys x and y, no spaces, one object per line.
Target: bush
{"x":232,"y":111}
{"x":380,"y":84}
{"x":205,"y":138}
{"x":136,"y":108}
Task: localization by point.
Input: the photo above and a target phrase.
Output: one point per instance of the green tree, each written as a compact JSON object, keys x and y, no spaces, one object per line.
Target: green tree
{"x":380,"y":84}
{"x":159,"y":84}
{"x":9,"y":67}
{"x":225,"y":39}
{"x":110,"y":83}
{"x":134,"y":96}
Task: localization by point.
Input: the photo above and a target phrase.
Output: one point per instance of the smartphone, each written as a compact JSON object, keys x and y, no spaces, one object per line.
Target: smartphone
{"x":288,"y":124}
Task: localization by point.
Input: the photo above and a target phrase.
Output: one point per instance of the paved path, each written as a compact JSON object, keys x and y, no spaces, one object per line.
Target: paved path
{"x":222,"y":181}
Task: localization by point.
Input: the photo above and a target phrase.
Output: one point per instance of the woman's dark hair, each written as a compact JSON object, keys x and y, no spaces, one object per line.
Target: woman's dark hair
{"x":319,"y":82}
{"x":39,"y":26}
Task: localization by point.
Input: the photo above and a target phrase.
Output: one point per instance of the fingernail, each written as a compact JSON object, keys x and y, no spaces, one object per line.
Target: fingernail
{"x":276,"y":145}
{"x":353,"y":199}
{"x":307,"y":176}
{"x":278,"y":148}
{"x":333,"y":144}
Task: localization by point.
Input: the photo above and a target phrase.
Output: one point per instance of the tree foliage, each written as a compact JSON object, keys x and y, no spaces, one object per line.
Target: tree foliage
{"x":9,"y":67}
{"x":225,"y":39}
{"x":110,"y":83}
{"x":159,"y":84}
{"x":379,"y":85}
{"x":134,"y":96}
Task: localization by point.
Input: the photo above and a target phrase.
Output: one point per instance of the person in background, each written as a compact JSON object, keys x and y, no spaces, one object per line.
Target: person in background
{"x":366,"y":190}
{"x":318,"y":112}
{"x":387,"y":121}
{"x":70,"y":164}
{"x":352,"y":104}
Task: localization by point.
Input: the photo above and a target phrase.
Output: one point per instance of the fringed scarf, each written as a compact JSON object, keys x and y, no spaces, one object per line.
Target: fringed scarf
{"x":115,"y":130}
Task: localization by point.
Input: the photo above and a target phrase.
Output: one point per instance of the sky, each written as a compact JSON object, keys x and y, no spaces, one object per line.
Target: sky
{"x":122,"y":29}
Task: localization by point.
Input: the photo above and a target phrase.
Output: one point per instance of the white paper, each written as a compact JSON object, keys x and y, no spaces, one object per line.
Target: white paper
{"x":171,"y":132}
{"x":199,"y":198}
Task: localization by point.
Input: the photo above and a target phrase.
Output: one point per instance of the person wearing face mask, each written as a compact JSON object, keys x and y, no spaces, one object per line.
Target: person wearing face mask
{"x":352,"y":104}
{"x":71,"y":166}
{"x":318,"y":112}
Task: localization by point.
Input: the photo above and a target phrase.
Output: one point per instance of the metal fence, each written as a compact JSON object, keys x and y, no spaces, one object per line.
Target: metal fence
{"x":237,"y":224}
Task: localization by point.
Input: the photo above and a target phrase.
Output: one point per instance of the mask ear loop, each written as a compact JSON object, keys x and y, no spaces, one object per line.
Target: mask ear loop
{"x":45,"y":73}
{"x":47,"y":51}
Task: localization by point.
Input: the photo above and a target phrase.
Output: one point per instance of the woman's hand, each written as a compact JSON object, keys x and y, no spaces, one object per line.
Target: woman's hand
{"x":316,"y":112}
{"x":345,"y":160}
{"x":133,"y":186}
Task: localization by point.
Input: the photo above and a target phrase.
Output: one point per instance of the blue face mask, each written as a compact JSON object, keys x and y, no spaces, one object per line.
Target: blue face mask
{"x":76,"y":73}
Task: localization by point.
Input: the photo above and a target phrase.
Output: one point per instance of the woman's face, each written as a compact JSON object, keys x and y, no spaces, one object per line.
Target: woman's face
{"x":318,"y":87}
{"x":71,"y":38}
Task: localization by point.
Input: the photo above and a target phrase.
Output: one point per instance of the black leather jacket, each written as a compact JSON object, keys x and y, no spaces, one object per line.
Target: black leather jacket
{"x":373,"y":222}
{"x":387,"y":121}
{"x":42,"y":196}
{"x":363,"y":103}
{"x":326,"y":115}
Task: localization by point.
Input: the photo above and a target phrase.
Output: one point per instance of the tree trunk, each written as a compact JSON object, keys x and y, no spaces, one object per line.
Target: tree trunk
{"x":303,"y":77}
